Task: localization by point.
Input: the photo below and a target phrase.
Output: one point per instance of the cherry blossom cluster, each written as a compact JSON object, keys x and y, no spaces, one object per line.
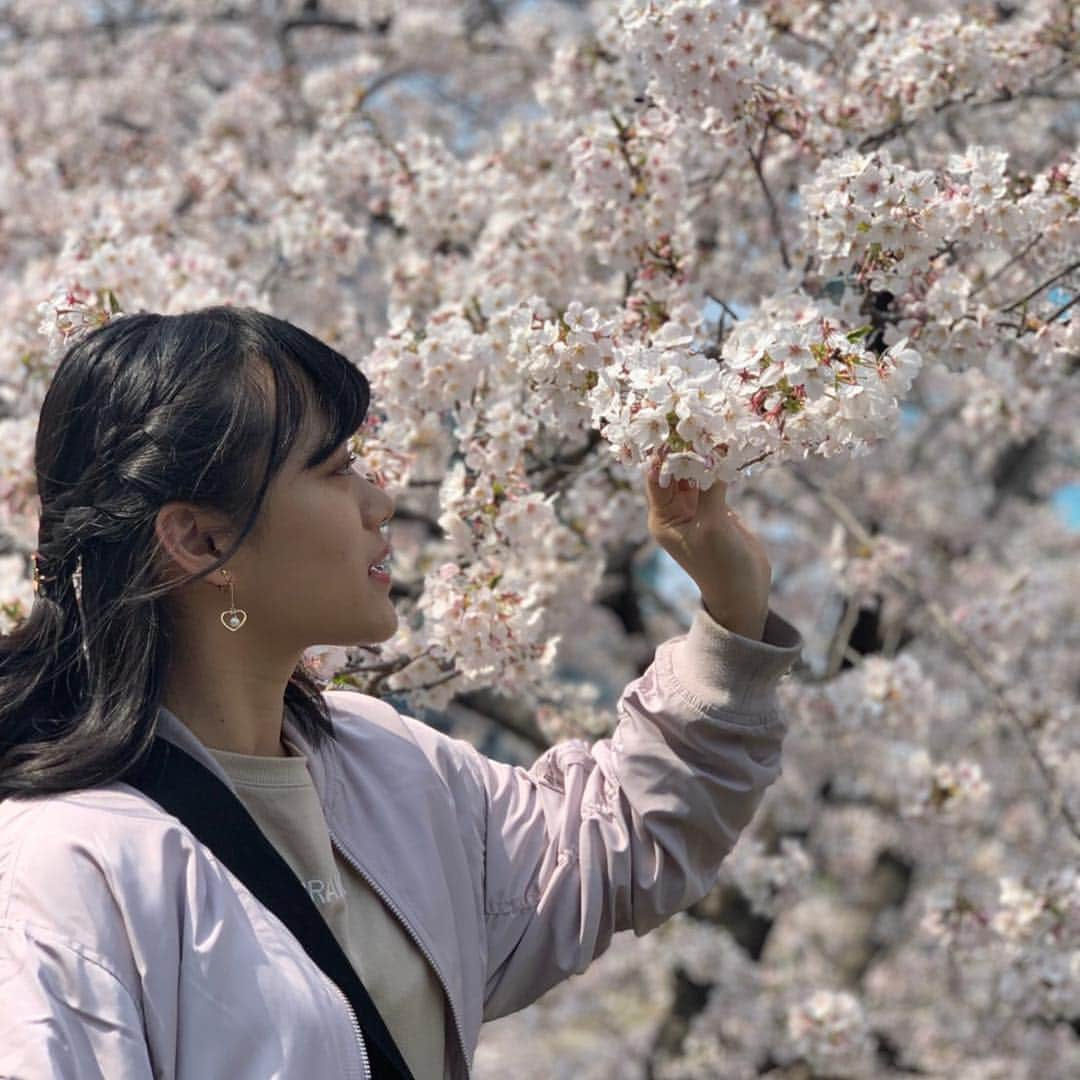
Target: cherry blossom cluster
{"x":888,"y":68}
{"x":1032,"y":924}
{"x":830,"y":1032}
{"x":590,"y":73}
{"x":73,"y":312}
{"x":961,"y":308}
{"x":112,"y":274}
{"x":770,"y":882}
{"x":793,"y":381}
{"x":921,"y":62}
{"x":1035,"y":923}
{"x":480,"y":614}
{"x":430,"y":372}
{"x":325,"y":218}
{"x":629,"y":190}
{"x":18,"y":496}
{"x":434,"y":196}
{"x":868,"y":570}
{"x":850,"y":844}
{"x":709,"y":61}
{"x":1004,"y":618}
{"x":891,"y":696}
{"x":470,"y":620}
{"x":947,"y":789}
{"x":881,"y":223}
{"x":810,"y":380}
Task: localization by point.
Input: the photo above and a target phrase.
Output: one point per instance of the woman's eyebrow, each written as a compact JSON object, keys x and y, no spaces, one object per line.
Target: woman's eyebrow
{"x":319,"y":453}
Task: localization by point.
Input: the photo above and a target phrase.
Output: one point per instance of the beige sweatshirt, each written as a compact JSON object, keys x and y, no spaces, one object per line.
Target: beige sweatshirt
{"x":279,"y":795}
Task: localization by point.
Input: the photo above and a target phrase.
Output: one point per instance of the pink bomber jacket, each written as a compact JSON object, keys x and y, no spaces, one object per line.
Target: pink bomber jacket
{"x":127,"y":951}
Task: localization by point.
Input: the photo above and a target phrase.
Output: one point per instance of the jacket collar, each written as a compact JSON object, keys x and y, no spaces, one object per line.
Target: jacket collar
{"x":173,"y":729}
{"x":323,"y":776}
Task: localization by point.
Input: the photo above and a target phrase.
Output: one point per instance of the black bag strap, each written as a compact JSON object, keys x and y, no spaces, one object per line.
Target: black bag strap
{"x":187,"y":789}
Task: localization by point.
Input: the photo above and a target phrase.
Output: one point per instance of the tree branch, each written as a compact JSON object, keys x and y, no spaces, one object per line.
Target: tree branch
{"x":872,"y":142}
{"x":774,"y":210}
{"x":1064,"y":307}
{"x":839,"y":648}
{"x":1005,"y":267}
{"x":324,"y":22}
{"x":505,"y":713}
{"x":1039,"y":288}
{"x":716,"y":300}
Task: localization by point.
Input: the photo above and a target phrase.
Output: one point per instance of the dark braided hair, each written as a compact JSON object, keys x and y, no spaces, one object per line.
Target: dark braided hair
{"x":142,"y":411}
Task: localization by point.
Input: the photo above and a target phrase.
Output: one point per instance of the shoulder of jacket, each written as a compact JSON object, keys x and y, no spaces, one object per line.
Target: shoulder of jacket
{"x":367,"y":723}
{"x":114,"y":828}
{"x":112,"y":809}
{"x":95,"y":870}
{"x":108,"y":840}
{"x":352,"y":709}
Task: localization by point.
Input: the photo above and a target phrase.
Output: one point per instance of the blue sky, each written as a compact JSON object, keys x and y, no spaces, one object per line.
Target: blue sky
{"x":1067,"y":501}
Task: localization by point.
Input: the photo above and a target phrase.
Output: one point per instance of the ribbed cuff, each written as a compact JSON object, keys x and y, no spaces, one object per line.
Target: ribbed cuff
{"x":718,"y":669}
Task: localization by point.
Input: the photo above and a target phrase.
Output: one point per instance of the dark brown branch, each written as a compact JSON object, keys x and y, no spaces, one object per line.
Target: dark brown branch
{"x":384,"y":78}
{"x":624,"y":138}
{"x":872,"y":142}
{"x":122,"y":122}
{"x":324,"y":22}
{"x":754,"y":461}
{"x":505,"y":713}
{"x":774,"y":210}
{"x":1005,"y":267}
{"x":1064,"y":307}
{"x":1039,"y":288}
{"x":809,"y":42}
{"x":114,"y":26}
{"x":716,"y":300}
{"x":562,"y":467}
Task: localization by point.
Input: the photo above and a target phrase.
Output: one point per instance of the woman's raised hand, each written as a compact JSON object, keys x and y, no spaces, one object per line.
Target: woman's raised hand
{"x":708,"y":540}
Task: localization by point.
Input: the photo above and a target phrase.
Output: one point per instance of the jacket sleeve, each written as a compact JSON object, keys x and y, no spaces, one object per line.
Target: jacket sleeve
{"x":63,"y":1014}
{"x":622,"y":835}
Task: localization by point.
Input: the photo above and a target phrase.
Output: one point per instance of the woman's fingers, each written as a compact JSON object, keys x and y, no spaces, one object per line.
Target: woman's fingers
{"x":684,"y":498}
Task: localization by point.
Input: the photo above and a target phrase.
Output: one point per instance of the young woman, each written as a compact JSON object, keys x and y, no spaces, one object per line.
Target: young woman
{"x":179,"y":803}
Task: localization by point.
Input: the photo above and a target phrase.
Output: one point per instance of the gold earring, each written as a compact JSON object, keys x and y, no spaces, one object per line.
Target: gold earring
{"x":234,"y":618}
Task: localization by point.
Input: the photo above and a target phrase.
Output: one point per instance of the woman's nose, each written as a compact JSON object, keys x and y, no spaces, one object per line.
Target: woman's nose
{"x":387,"y":507}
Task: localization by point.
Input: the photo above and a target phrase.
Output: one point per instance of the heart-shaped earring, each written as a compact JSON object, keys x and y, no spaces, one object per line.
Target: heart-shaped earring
{"x":234,"y":618}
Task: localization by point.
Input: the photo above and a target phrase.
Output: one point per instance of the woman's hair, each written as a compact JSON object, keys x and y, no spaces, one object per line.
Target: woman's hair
{"x":142,"y":411}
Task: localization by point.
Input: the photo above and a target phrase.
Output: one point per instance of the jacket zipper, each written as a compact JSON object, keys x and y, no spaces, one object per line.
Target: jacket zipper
{"x":412,"y":933}
{"x":356,"y":1029}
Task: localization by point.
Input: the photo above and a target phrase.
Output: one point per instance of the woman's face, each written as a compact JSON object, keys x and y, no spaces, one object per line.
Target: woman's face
{"x":306,"y":577}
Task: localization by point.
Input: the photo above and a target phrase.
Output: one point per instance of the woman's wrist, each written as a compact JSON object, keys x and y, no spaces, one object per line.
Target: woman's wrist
{"x":746,"y":624}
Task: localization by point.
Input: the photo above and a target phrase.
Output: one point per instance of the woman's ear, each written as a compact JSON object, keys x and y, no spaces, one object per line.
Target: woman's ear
{"x":190,"y":539}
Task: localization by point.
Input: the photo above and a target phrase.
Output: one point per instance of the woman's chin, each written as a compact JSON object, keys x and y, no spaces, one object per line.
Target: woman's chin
{"x":381,"y":629}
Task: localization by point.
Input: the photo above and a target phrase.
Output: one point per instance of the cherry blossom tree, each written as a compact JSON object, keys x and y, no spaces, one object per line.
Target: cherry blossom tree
{"x":826,"y":252}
